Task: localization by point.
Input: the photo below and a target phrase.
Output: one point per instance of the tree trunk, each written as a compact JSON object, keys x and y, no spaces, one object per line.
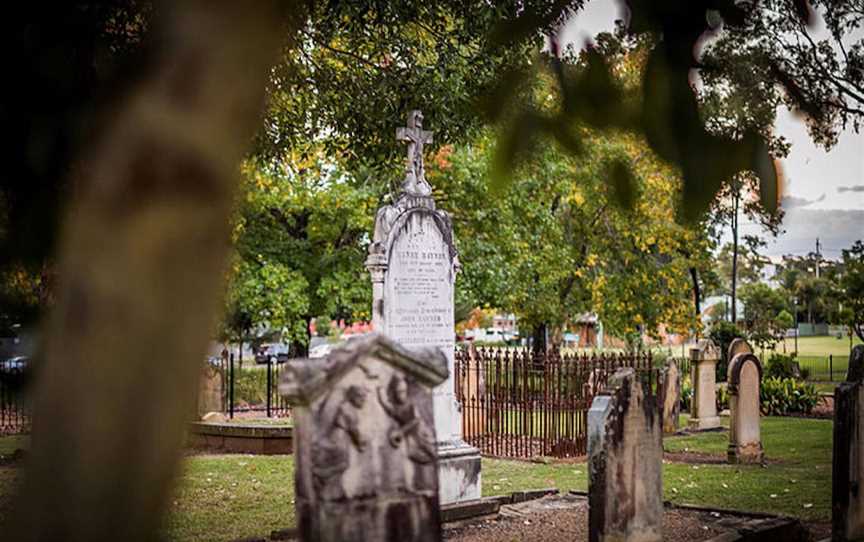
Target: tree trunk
{"x":735,"y":257}
{"x":538,"y":339}
{"x":697,"y":294}
{"x":141,"y":269}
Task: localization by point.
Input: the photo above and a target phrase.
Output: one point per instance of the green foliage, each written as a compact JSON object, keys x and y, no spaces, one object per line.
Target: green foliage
{"x":780,"y":366}
{"x":781,"y":396}
{"x":762,"y":305}
{"x":852,"y":287}
{"x":723,"y":333}
{"x":300,"y":240}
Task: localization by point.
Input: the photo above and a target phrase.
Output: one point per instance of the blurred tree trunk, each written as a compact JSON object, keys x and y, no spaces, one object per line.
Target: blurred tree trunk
{"x":141,"y":265}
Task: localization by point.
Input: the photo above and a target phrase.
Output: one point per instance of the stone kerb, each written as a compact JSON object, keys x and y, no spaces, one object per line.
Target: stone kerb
{"x":847,"y":510}
{"x":625,"y":453}
{"x":744,"y":377}
{"x":670,"y":395}
{"x":703,"y":406}
{"x":365,"y":458}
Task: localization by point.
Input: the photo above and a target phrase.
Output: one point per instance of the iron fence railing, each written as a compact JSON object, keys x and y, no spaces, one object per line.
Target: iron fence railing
{"x":517,"y":403}
{"x":14,"y":406}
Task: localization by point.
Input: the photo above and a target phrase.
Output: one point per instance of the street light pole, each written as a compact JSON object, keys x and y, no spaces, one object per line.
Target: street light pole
{"x":795,"y":302}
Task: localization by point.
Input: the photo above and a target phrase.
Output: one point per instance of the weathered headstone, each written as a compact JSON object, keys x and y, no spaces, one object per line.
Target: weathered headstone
{"x":703,"y":406}
{"x":413,"y":263}
{"x":738,"y":346}
{"x":670,"y":394}
{"x":211,"y":390}
{"x":847,"y":510}
{"x":743,"y":380}
{"x":625,"y":460}
{"x":365,"y":462}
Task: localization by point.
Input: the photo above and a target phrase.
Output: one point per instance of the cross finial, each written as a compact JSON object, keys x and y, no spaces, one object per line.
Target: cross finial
{"x":415,"y":174}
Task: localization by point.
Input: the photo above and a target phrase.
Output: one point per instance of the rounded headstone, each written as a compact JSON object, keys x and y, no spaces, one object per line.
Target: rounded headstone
{"x":738,"y":346}
{"x":856,"y":365}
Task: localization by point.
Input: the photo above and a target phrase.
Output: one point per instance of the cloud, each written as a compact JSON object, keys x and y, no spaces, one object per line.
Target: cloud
{"x":836,"y":229}
{"x":853,"y":188}
{"x":793,"y":202}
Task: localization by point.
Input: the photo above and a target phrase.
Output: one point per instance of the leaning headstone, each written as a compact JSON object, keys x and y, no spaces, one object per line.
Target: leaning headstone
{"x":365,"y":462}
{"x":847,"y":510}
{"x":703,"y":406}
{"x":625,"y":460}
{"x":670,"y":395}
{"x":743,"y":380}
{"x":413,"y":264}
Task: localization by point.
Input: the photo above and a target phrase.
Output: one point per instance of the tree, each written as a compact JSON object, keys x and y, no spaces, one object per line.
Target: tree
{"x":763,"y":306}
{"x":852,"y":287}
{"x":300,"y":237}
{"x":821,"y":77}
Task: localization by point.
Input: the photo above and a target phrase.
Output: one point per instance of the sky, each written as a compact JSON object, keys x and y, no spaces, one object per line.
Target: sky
{"x":824,"y":192}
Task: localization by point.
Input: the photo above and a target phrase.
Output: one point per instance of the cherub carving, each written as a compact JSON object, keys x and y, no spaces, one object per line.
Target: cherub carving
{"x":409,"y":427}
{"x":330,"y":451}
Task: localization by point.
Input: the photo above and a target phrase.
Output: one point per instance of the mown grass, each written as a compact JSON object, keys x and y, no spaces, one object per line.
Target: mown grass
{"x":224,"y":497}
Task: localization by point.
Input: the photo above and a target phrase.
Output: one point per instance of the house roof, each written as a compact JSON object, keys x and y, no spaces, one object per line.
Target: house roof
{"x":303,"y":380}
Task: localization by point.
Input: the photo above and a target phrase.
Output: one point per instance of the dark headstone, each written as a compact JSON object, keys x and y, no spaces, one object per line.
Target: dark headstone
{"x":366,"y":467}
{"x":847,"y":506}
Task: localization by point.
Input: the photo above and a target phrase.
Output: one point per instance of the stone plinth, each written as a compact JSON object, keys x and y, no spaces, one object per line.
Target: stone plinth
{"x":413,"y":264}
{"x":847,"y":510}
{"x":744,"y":378}
{"x":625,"y":454}
{"x":703,"y":406}
{"x":365,"y":458}
{"x":670,"y":394}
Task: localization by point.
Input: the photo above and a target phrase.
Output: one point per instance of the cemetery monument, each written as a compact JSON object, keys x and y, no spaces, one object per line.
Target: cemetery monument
{"x":703,"y":363}
{"x":413,"y":264}
{"x":847,"y":510}
{"x":744,"y":376}
{"x":365,"y":442}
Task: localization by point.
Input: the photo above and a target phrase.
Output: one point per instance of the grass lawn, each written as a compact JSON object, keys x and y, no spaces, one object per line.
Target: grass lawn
{"x":223,"y":497}
{"x":818,"y":346}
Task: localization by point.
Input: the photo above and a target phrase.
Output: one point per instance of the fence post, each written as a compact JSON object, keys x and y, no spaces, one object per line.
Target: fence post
{"x":831,"y":367}
{"x":231,"y":388}
{"x":269,"y":383}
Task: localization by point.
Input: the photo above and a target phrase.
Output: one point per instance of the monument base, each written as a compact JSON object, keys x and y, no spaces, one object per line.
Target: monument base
{"x":703,"y":424}
{"x":458,"y":472}
{"x":747,"y":454}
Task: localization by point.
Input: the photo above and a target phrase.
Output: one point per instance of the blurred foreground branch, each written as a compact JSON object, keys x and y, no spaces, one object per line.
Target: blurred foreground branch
{"x":141,"y":261}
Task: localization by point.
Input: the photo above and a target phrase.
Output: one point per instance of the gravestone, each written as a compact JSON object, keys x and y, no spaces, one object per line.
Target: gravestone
{"x":625,"y":460}
{"x":743,"y":380}
{"x":703,"y":405}
{"x":413,"y":264}
{"x":670,"y":394}
{"x":211,"y":390}
{"x":847,"y":510}
{"x":365,"y":462}
{"x":738,"y":346}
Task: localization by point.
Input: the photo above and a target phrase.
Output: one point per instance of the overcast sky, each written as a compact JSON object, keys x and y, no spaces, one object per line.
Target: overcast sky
{"x":824,"y":192}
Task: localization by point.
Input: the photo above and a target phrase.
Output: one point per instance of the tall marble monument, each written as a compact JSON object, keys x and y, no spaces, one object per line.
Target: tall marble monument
{"x":413,"y":263}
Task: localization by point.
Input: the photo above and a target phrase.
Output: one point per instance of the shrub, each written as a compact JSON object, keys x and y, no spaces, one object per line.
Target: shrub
{"x":723,"y":333}
{"x":781,"y":396}
{"x":780,"y":366}
{"x":722,"y":398}
{"x":686,"y":394}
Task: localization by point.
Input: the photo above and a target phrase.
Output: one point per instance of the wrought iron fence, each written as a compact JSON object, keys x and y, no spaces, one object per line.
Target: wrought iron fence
{"x":516,"y":403}
{"x":829,"y":368}
{"x":254,"y":388}
{"x":14,"y":407}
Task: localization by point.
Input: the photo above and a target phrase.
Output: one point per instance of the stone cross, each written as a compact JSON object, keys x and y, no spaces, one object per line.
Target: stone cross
{"x":847,"y":494}
{"x":744,"y":377}
{"x":413,"y":265}
{"x":703,"y":405}
{"x":415,"y":174}
{"x":625,"y":463}
{"x":364,"y":448}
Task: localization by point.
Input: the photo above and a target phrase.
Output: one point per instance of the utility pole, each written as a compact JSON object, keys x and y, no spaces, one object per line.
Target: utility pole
{"x":818,"y":256}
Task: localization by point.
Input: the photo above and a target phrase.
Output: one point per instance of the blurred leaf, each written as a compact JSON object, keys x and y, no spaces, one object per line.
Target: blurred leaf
{"x":532,"y":20}
{"x":516,"y":141}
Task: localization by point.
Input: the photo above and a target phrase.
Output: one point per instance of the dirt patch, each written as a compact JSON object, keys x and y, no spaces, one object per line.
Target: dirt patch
{"x":566,"y":518}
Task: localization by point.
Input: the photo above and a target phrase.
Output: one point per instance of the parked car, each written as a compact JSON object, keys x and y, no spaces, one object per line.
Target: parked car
{"x":15,"y":365}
